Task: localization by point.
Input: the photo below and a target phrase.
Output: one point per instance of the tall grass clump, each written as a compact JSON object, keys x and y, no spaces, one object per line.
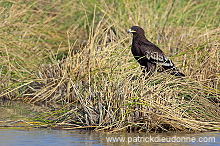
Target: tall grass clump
{"x":74,"y":57}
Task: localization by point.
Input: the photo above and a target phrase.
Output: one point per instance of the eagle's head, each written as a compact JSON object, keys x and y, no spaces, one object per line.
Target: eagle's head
{"x":136,"y":30}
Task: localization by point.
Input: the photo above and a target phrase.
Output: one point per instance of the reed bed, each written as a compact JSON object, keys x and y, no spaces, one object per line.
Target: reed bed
{"x":74,"y":57}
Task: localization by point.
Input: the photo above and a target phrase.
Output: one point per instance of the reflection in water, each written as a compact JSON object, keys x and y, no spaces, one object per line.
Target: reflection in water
{"x":42,"y":137}
{"x":38,"y":137}
{"x":45,"y":137}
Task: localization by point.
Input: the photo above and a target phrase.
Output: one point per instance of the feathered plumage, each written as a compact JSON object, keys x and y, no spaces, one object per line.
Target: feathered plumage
{"x":148,"y":54}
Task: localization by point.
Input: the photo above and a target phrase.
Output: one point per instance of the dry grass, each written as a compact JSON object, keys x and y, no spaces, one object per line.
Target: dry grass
{"x":85,"y":68}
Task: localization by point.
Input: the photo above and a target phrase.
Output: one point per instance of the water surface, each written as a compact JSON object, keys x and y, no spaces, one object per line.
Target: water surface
{"x":46,"y":137}
{"x":42,"y":137}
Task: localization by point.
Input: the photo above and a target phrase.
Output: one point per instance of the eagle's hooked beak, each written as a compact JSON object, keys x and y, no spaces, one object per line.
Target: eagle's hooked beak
{"x":130,"y":31}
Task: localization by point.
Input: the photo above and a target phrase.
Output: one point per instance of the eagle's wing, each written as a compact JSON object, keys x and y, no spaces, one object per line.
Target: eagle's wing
{"x":155,"y":55}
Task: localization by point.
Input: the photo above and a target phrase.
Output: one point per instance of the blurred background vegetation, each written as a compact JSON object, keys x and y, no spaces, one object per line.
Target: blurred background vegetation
{"x":35,"y":32}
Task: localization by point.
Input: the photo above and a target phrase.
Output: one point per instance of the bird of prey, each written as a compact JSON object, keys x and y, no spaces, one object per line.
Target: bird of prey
{"x":149,"y":55}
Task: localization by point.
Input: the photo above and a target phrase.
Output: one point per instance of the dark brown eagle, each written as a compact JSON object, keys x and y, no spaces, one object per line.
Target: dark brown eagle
{"x":149,"y":55}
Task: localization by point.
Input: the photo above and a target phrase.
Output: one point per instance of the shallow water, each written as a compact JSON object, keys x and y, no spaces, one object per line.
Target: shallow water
{"x":42,"y":137}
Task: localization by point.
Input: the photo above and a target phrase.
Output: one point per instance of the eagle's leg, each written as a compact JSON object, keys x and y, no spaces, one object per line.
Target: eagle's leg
{"x":149,"y":68}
